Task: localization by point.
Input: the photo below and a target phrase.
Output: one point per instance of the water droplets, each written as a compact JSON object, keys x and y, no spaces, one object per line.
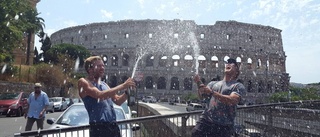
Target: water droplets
{"x":4,"y":68}
{"x":254,"y":73}
{"x":76,"y":64}
{"x":81,"y":89}
{"x":16,"y":17}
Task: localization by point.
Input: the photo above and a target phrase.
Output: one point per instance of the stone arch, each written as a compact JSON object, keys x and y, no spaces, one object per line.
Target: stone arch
{"x":174,"y":84}
{"x":214,"y":62}
{"x":187,"y":83}
{"x":202,"y":61}
{"x":188,"y":60}
{"x":105,"y":59}
{"x":258,"y":63}
{"x":149,"y":60}
{"x":163,"y":61}
{"x":161,"y":84}
{"x":239,"y":61}
{"x":125,"y":60}
{"x":249,"y":63}
{"x":114,"y":60}
{"x":260,"y":86}
{"x":149,"y":82}
{"x":175,"y":60}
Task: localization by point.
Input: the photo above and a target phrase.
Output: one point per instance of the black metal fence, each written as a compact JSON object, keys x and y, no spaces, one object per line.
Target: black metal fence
{"x":290,"y":119}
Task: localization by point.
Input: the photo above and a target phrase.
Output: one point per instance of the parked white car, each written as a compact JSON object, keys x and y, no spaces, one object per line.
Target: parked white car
{"x":50,"y":108}
{"x":149,"y":99}
{"x":76,"y":115}
{"x":194,"y":107}
{"x":60,"y":103}
{"x":127,"y":110}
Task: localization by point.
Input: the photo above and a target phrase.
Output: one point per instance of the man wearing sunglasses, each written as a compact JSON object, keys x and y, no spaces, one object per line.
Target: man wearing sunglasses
{"x":218,"y":118}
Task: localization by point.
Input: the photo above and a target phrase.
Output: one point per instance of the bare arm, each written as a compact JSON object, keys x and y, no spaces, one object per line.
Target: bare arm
{"x":87,"y":89}
{"x":232,"y":99}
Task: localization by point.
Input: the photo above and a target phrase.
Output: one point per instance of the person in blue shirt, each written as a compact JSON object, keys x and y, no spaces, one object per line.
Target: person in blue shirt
{"x":98,"y":98}
{"x":222,"y":98}
{"x":38,"y":102}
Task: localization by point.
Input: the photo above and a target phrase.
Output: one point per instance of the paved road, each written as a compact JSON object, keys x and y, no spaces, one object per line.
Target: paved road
{"x":11,"y":125}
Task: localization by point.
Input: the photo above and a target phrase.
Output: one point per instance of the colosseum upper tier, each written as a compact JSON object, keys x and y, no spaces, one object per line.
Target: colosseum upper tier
{"x":163,"y":55}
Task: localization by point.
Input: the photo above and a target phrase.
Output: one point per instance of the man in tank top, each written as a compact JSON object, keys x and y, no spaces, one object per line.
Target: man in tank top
{"x":223,"y":96}
{"x":98,"y":99}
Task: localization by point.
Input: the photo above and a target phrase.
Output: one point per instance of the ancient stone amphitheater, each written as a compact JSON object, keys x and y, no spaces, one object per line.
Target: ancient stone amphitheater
{"x":163,"y":55}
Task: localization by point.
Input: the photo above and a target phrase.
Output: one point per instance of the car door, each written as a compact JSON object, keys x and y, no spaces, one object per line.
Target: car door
{"x":24,"y":101}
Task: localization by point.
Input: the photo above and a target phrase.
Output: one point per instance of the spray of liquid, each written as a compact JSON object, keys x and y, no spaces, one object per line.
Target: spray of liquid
{"x":196,"y":50}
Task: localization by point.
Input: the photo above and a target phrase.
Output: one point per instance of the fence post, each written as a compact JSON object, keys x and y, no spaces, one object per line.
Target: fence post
{"x":184,"y":126}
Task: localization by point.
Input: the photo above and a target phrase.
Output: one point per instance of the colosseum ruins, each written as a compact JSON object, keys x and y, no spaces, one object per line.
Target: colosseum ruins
{"x":163,"y":55}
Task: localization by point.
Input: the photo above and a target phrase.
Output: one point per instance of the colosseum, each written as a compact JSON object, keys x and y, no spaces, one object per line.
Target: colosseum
{"x":163,"y":55}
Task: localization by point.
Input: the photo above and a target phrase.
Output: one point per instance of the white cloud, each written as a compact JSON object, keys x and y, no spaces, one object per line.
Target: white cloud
{"x":106,"y":14}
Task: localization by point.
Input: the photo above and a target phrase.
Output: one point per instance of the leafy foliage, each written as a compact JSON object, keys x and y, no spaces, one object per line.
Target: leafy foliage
{"x":296,"y":94}
{"x":73,"y":51}
{"x":18,"y":20}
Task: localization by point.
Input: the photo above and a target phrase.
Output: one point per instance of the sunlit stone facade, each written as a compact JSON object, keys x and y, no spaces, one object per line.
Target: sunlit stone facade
{"x":170,"y":49}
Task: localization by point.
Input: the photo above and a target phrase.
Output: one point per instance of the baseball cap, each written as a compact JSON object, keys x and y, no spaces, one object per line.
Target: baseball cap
{"x":37,"y":85}
{"x":231,"y":60}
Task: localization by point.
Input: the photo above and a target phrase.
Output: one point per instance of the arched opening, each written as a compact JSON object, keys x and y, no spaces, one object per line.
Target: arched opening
{"x":187,"y":84}
{"x":174,"y":83}
{"x":105,"y":59}
{"x":149,"y":82}
{"x":125,"y":60}
{"x":163,"y":61}
{"x":114,"y":60}
{"x":188,"y":60}
{"x":161,"y":83}
{"x":176,"y":60}
{"x":149,"y":60}
{"x":214,"y":62}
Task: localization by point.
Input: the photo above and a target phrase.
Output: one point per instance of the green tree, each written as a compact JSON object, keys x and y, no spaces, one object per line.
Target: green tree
{"x":34,"y":25}
{"x":73,"y":51}
{"x":296,"y":94}
{"x":12,"y":26}
{"x":17,"y":21}
{"x":46,"y":44}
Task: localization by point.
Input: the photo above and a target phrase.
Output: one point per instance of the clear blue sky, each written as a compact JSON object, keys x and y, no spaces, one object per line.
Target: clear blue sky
{"x":299,"y":21}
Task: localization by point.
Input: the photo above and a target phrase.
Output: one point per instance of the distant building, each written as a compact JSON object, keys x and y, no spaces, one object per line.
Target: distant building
{"x":170,"y":53}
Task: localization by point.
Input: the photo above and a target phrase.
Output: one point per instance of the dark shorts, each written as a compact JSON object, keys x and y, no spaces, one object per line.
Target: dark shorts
{"x":104,"y":130}
{"x":205,"y":129}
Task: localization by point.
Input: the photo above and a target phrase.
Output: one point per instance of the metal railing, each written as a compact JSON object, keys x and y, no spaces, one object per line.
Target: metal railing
{"x":278,"y":119}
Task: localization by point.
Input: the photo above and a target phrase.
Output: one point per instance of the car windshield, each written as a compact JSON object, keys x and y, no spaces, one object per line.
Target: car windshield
{"x":77,"y":115}
{"x":8,"y":96}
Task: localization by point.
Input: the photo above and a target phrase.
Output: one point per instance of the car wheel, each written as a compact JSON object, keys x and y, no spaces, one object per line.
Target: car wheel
{"x":19,"y":112}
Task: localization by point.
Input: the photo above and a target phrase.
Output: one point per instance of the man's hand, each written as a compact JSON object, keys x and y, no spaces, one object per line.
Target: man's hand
{"x":41,"y":114}
{"x":204,"y":90}
{"x":129,"y":83}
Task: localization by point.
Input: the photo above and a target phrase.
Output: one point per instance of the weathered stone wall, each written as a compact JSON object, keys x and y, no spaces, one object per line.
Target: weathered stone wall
{"x":257,"y":48}
{"x":15,"y":87}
